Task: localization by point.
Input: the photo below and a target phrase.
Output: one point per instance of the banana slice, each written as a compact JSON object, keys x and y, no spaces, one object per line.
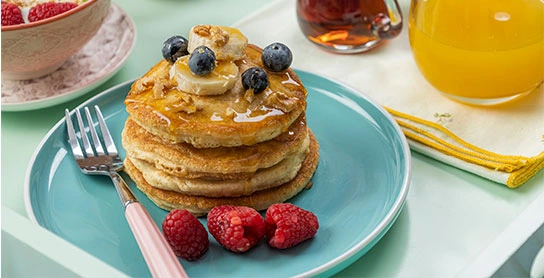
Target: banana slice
{"x":227,"y":43}
{"x":217,"y":82}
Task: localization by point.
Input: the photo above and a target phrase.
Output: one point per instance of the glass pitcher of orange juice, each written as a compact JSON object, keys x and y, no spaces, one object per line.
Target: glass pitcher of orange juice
{"x":481,"y":52}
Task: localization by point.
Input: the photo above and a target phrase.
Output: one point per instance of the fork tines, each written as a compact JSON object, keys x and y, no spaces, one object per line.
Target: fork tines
{"x":96,"y":149}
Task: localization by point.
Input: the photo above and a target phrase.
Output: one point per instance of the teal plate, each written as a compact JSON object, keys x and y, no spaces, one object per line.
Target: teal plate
{"x":358,"y":191}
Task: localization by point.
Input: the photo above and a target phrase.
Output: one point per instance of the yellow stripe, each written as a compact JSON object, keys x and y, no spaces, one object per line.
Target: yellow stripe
{"x":451,"y":150}
{"x":521,"y":168}
{"x":521,"y":176}
{"x":500,"y":163}
{"x":507,"y":158}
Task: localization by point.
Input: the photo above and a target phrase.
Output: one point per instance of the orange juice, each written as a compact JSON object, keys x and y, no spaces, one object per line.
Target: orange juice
{"x":479,"y":49}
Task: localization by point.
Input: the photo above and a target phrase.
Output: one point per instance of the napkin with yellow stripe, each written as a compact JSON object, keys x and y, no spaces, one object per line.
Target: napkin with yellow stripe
{"x":435,"y":140}
{"x":504,"y":144}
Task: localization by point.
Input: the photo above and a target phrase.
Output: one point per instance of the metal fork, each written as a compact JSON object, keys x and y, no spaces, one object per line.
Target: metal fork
{"x":99,"y":159}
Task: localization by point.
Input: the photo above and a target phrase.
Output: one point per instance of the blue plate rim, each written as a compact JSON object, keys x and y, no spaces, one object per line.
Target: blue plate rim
{"x":332,"y":266}
{"x":398,"y":205}
{"x":26,"y":188}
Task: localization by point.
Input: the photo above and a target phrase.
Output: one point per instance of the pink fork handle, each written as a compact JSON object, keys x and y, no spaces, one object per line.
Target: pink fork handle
{"x":160,"y":258}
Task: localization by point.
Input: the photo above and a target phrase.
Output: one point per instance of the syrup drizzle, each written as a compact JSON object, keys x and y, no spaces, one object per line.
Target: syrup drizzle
{"x":289,"y":80}
{"x":228,"y":107}
{"x":256,"y":116}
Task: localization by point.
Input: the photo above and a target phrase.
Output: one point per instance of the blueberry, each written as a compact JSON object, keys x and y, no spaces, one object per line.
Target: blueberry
{"x":202,"y":60}
{"x":174,"y":48}
{"x":277,"y":57}
{"x":255,"y":78}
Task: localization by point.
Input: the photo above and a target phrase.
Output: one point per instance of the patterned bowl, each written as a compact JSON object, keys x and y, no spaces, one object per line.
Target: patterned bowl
{"x":38,"y":48}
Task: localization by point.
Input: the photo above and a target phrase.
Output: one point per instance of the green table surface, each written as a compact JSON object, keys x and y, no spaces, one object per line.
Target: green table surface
{"x":454,"y":223}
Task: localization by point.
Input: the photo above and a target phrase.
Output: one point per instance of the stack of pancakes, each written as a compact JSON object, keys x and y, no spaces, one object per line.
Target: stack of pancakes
{"x":193,"y":150}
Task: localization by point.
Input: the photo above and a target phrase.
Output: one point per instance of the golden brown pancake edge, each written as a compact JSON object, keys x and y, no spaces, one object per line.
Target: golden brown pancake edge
{"x":260,"y":200}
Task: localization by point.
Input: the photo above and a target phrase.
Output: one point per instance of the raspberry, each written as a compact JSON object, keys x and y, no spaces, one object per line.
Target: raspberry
{"x":236,"y":228}
{"x":185,"y":234}
{"x":49,"y":9}
{"x":288,"y":225}
{"x":11,"y":14}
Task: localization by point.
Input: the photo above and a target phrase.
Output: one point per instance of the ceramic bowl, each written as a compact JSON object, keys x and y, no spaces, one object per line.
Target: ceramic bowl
{"x":38,"y":48}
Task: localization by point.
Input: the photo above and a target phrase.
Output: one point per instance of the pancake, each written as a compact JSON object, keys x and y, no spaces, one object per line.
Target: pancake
{"x":196,"y":138}
{"x":186,"y":161}
{"x":266,"y":178}
{"x":259,"y":200}
{"x":234,"y":118}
